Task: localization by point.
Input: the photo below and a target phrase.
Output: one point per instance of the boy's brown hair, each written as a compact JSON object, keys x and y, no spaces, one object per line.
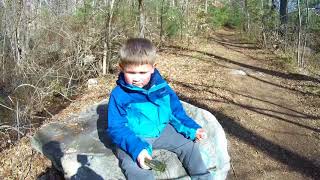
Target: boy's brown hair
{"x":137,"y":51}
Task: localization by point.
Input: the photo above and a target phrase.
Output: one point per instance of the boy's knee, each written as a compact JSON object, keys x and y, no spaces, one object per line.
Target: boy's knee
{"x":191,"y":147}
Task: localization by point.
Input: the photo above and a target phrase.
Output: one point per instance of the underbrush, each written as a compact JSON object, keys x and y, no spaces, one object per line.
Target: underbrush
{"x":44,"y":76}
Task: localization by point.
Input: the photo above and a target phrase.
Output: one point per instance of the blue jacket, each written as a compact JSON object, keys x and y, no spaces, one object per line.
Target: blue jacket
{"x":135,"y":113}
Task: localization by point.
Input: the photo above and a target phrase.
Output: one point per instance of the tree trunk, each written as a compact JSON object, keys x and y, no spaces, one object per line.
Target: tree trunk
{"x":283,"y":17}
{"x":283,"y":11}
{"x":305,"y":35}
{"x":161,"y":21}
{"x":187,"y":21}
{"x":4,"y":45}
{"x":273,"y":4}
{"x":247,"y":24}
{"x":107,"y":42}
{"x":172,"y":4}
{"x":299,"y":35}
{"x":283,"y":22}
{"x":141,"y":19}
{"x":206,"y":7}
{"x":18,"y":35}
{"x":105,"y":57}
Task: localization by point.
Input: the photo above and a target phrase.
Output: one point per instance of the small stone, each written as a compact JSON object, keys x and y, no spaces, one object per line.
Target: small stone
{"x":238,"y":72}
{"x":88,"y":59}
{"x":92,"y":83}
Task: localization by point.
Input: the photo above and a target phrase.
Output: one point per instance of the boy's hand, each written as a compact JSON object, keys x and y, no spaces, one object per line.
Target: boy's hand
{"x":141,"y":157}
{"x":201,"y":134}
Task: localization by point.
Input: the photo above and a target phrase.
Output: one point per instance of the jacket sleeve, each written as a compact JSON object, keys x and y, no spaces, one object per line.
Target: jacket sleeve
{"x":180,"y":120}
{"x":121,"y":134}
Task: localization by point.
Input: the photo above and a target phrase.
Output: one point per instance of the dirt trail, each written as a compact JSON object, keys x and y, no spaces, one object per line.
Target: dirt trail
{"x":271,"y":120}
{"x":271,"y":117}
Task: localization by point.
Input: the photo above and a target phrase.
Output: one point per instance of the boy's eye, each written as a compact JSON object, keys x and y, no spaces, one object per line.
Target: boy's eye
{"x":137,"y":72}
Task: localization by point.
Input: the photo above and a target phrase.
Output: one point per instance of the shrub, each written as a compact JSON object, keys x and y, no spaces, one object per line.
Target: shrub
{"x":225,"y":16}
{"x":173,"y":22}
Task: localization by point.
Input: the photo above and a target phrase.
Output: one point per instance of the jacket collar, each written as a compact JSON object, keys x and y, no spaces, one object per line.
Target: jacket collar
{"x":156,"y":82}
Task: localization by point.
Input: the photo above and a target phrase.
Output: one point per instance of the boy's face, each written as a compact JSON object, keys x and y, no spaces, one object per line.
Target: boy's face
{"x":137,"y":75}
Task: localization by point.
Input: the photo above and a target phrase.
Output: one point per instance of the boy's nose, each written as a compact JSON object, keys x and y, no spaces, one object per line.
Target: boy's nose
{"x":137,"y":78}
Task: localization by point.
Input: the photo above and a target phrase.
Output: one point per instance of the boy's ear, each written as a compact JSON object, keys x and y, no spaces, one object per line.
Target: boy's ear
{"x":153,"y":67}
{"x":120,"y":67}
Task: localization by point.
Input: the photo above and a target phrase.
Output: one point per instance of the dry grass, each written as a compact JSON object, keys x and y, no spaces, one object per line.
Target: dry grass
{"x":22,"y":162}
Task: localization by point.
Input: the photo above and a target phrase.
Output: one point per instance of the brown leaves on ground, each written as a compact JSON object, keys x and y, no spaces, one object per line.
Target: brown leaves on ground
{"x":22,"y":162}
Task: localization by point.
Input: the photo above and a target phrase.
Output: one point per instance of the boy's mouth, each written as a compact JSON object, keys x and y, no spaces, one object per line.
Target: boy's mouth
{"x":138,"y":84}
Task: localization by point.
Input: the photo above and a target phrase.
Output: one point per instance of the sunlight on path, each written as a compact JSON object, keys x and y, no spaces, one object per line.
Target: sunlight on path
{"x":273,"y":134}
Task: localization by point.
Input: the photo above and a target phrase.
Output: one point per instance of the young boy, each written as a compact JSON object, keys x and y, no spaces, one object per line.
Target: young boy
{"x":144,"y":113}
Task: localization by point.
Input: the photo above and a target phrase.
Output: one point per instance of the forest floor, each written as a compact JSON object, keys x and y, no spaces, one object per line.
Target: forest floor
{"x":271,"y":116}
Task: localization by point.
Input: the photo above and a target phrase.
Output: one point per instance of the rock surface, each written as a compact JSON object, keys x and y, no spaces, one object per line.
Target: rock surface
{"x":238,"y":72}
{"x":79,"y":146}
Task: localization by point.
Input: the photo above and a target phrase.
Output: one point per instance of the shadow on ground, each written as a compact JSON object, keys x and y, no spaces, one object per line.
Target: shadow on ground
{"x":295,"y":161}
{"x":288,"y":76}
{"x":264,"y":111}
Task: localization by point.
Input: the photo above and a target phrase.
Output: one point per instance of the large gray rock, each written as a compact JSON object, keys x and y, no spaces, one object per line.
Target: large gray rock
{"x":79,"y":146}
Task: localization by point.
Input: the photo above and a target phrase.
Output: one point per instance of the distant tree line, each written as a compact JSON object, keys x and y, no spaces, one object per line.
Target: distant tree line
{"x":289,"y":25}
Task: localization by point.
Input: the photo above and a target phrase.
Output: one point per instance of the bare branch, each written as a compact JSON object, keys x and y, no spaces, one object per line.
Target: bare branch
{"x":6,"y":107}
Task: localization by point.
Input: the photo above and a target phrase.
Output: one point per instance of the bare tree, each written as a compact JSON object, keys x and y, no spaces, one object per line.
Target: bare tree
{"x":273,"y":4}
{"x":299,"y":35}
{"x":283,"y":15}
{"x":142,"y":20}
{"x":107,"y":43}
{"x":306,"y":33}
{"x":206,"y":6}
{"x":247,"y":24}
{"x":161,"y":21}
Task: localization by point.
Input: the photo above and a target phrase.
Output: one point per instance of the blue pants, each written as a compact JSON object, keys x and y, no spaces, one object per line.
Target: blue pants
{"x":186,"y":150}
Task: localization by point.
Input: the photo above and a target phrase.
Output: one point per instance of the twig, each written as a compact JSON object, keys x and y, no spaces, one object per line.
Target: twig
{"x":10,"y":127}
{"x":64,"y":96}
{"x":10,"y":99}
{"x":48,"y":112}
{"x":39,"y":117}
{"x":234,"y":172}
{"x":61,"y":35}
{"x":13,"y":128}
{"x":17,"y":118}
{"x":6,"y":107}
{"x":21,"y":85}
{"x":69,"y":83}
